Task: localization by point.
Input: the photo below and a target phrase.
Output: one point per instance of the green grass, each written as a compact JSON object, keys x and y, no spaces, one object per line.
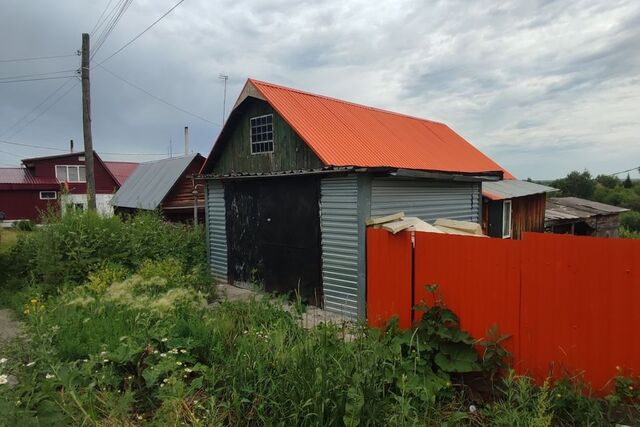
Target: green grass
{"x":8,"y":238}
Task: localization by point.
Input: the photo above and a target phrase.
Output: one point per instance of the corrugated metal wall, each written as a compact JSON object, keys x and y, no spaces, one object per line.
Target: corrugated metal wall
{"x":426,"y":200}
{"x":216,"y":230}
{"x":339,"y":228}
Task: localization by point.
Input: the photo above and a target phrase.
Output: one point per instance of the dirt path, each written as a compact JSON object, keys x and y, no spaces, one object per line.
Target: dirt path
{"x":9,"y":328}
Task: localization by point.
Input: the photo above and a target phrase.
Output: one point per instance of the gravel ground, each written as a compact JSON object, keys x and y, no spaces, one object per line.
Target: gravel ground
{"x":9,"y":328}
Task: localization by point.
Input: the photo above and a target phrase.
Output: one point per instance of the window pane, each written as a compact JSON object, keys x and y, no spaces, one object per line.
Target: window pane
{"x":61,"y":173}
{"x":83,"y":176}
{"x":73,"y":173}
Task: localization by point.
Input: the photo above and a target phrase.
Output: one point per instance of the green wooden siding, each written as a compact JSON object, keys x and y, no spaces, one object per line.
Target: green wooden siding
{"x":289,"y":151}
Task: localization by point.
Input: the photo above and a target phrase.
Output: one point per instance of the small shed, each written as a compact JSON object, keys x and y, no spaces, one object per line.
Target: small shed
{"x":166,"y":185}
{"x":512,"y":207}
{"x":573,"y":215}
{"x":293,"y":176}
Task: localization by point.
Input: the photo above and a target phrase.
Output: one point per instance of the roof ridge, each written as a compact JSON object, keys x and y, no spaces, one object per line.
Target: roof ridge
{"x":342,"y":101}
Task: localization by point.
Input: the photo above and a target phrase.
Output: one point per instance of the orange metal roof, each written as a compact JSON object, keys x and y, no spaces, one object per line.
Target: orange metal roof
{"x":342,"y":133}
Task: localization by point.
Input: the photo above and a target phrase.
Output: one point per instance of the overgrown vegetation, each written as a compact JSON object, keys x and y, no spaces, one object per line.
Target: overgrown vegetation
{"x":606,"y":189}
{"x":132,"y":340}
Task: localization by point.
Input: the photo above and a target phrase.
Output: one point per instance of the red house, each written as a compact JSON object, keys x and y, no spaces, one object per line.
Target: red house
{"x":25,"y":192}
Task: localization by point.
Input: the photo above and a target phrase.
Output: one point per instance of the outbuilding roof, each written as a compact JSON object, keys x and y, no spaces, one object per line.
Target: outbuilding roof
{"x":569,"y":208}
{"x":344,"y":134}
{"x":508,"y":189}
{"x":150,"y":183}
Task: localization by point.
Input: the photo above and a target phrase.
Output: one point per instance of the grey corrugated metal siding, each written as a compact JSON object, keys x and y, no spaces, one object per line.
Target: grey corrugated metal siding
{"x":216,"y":230}
{"x":426,"y":200}
{"x":339,"y":226}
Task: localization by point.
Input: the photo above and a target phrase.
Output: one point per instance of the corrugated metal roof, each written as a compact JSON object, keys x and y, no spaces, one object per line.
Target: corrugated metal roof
{"x":346,"y":134}
{"x":510,"y":188}
{"x":567,"y":208}
{"x":121,"y":170}
{"x":149,"y":184}
{"x":23,"y":176}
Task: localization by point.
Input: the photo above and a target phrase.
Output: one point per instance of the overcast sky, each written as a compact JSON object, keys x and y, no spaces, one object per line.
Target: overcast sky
{"x":542,"y":87}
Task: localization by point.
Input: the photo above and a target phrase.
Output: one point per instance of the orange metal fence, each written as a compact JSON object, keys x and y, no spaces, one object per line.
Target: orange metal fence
{"x":571,"y":304}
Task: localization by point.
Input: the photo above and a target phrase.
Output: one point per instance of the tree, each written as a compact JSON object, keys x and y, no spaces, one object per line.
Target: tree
{"x":609,"y":181}
{"x":578,"y":184}
{"x":627,"y":182}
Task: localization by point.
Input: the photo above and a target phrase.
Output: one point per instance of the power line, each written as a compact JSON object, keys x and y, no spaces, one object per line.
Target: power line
{"x":34,"y":109}
{"x":156,"y":97}
{"x":36,"y":75}
{"x":628,"y":170}
{"x":36,"y":79}
{"x":37,"y":58}
{"x":144,"y":31}
{"x":2,"y":141}
{"x":58,"y":99}
{"x":98,"y":23}
{"x":11,"y":154}
{"x":117,"y":13}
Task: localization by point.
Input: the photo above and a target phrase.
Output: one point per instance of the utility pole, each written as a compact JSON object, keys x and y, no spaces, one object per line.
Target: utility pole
{"x":86,"y":125}
{"x":224,"y":97}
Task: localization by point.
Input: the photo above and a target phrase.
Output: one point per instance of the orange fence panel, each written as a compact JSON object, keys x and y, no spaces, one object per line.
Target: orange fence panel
{"x":388,"y":277}
{"x":569,"y":303}
{"x":477,"y":278}
{"x":580,"y":313}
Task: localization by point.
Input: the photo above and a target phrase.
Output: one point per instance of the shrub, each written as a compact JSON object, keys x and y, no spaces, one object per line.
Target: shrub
{"x":24,"y":225}
{"x":630,"y":221}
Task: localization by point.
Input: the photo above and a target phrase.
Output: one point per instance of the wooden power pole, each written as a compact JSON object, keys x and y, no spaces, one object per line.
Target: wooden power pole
{"x":86,"y":125}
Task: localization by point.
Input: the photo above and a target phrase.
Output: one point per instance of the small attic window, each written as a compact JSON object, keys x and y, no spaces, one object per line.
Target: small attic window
{"x":261,"y":134}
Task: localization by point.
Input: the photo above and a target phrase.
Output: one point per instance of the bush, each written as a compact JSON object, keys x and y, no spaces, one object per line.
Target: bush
{"x":66,"y":250}
{"x":24,"y":225}
{"x":630,"y":221}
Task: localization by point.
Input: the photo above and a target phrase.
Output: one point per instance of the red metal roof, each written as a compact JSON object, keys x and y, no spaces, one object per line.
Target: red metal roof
{"x":121,"y":170}
{"x":23,"y":176}
{"x":346,"y":134}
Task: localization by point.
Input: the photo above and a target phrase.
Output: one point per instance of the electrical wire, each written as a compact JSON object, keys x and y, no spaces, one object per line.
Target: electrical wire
{"x":20,"y":144}
{"x":58,"y":99}
{"x":36,"y":58}
{"x":98,"y":22}
{"x":144,"y":31}
{"x":118,"y":11}
{"x":37,"y":79}
{"x":36,"y":75}
{"x":34,"y":109}
{"x":157,"y":98}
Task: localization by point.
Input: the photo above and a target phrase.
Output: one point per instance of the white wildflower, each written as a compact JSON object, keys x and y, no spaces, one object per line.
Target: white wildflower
{"x":85,"y":360}
{"x":166,"y":380}
{"x":105,"y":361}
{"x":183,"y":351}
{"x":3,"y":360}
{"x":164,"y":339}
{"x":188,"y":370}
{"x":30,"y":364}
{"x":472,"y":409}
{"x":163,"y":354}
{"x":18,"y":402}
{"x":103,"y":353}
{"x":140,"y":417}
{"x":4,"y":379}
{"x":49,"y":376}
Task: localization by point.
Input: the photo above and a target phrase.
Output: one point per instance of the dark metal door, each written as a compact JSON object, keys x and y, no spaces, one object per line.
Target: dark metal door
{"x":273,"y":233}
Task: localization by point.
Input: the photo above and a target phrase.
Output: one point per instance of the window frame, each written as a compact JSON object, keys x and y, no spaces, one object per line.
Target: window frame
{"x":55,"y":195}
{"x":508,"y":233}
{"x":271,"y":141}
{"x":77,"y":168}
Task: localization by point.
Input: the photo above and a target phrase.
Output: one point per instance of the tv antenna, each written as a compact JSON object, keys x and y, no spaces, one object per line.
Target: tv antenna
{"x":224,"y":97}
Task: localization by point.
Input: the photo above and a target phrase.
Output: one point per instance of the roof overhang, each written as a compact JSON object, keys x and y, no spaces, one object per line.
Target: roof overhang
{"x":513,"y":188}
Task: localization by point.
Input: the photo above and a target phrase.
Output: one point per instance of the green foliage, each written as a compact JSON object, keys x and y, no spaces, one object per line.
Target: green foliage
{"x":578,"y":184}
{"x":628,"y":234}
{"x":24,"y":225}
{"x":523,"y":404}
{"x":573,"y":405}
{"x":495,"y":357}
{"x":66,"y":250}
{"x":627,"y":182}
{"x":626,"y":389}
{"x":608,"y":181}
{"x":630,"y":221}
